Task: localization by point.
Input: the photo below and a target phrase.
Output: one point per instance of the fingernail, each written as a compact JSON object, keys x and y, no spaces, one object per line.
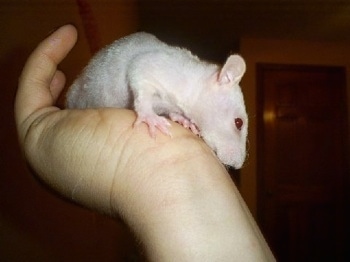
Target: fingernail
{"x":56,"y":28}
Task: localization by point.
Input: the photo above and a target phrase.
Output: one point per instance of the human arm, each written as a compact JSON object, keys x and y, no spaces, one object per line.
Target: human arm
{"x":172,"y":192}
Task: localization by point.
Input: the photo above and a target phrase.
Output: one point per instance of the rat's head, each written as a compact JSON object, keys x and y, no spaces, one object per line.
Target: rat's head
{"x":224,"y":127}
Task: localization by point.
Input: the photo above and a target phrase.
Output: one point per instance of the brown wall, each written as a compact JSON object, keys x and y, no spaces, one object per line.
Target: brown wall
{"x":282,"y":52}
{"x":37,"y":225}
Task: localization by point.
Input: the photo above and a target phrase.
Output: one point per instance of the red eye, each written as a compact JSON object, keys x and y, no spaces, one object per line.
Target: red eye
{"x":238,"y":123}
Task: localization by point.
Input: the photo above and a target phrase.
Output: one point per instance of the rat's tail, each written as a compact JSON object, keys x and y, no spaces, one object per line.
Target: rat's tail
{"x":90,"y":25}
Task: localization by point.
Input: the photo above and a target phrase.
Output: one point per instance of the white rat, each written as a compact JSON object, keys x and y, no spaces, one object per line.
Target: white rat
{"x":142,"y":73}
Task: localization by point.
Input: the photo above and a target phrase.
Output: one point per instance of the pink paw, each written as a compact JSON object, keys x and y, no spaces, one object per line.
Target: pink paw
{"x":185,"y":122}
{"x":154,"y":122}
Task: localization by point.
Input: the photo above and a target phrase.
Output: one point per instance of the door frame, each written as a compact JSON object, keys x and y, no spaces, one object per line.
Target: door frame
{"x":261,"y":190}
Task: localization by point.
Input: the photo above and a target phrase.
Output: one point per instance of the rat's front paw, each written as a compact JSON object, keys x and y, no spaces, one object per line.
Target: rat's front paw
{"x":154,"y":122}
{"x":185,"y":122}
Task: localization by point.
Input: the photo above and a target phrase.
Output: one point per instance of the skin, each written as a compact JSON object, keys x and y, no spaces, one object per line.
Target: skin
{"x":172,"y":192}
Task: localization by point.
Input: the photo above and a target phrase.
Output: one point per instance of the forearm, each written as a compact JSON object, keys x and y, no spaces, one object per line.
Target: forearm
{"x":197,"y":214}
{"x":183,"y":206}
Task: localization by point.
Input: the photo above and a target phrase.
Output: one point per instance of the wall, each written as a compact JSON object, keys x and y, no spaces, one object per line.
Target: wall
{"x":283,"y":52}
{"x":36,"y":224}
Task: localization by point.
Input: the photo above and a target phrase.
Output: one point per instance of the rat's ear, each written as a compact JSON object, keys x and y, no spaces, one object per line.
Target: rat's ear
{"x":232,"y":71}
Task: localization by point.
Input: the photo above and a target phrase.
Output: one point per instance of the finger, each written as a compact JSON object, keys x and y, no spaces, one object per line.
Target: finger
{"x":39,"y":78}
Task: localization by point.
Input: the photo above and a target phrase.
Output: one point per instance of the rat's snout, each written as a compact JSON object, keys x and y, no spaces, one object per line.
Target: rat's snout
{"x":232,"y":153}
{"x":232,"y":157}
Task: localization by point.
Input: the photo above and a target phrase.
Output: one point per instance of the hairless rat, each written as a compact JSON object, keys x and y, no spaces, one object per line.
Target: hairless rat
{"x":160,"y":81}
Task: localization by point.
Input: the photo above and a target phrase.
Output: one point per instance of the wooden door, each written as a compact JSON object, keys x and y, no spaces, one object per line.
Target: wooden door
{"x":302,"y":161}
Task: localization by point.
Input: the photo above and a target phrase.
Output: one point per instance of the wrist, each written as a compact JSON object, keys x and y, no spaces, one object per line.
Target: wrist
{"x":179,"y":218}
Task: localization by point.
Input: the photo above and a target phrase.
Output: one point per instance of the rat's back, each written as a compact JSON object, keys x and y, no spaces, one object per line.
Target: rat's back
{"x":103,"y":82}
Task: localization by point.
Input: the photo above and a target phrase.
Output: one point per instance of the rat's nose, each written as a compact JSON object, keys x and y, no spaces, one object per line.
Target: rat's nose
{"x":238,"y":123}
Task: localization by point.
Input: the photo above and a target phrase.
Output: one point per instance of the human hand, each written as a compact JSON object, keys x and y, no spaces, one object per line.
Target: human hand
{"x":172,"y":192}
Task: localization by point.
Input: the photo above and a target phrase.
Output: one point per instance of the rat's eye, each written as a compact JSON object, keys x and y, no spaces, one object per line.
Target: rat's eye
{"x":238,"y":123}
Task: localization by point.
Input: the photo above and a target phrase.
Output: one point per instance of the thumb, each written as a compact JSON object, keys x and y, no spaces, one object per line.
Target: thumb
{"x":38,"y":86}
